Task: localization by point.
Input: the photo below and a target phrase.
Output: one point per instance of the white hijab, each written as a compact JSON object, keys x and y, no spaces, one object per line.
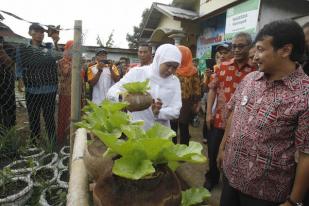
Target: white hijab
{"x":165,"y":53}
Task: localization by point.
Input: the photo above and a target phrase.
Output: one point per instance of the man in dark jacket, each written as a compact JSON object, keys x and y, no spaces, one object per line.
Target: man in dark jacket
{"x":37,"y":62}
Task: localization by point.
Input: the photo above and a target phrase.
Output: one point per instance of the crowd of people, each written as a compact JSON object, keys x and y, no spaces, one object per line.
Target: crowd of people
{"x":256,"y":124}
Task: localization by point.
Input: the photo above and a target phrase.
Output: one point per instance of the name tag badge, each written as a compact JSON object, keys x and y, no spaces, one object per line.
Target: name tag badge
{"x":244,"y":100}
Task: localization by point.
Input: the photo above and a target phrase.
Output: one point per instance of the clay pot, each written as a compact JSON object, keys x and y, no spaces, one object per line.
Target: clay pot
{"x":94,"y":161}
{"x":162,"y":189}
{"x":138,"y":102}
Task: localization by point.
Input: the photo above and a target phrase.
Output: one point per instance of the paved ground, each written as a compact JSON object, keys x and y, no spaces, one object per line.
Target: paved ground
{"x":193,"y":174}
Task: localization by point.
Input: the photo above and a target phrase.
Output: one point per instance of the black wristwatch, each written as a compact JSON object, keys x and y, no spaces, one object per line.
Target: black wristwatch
{"x":293,"y":203}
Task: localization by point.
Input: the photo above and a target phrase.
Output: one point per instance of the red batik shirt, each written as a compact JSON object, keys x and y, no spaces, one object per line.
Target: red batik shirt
{"x":270,"y":121}
{"x":225,"y":81}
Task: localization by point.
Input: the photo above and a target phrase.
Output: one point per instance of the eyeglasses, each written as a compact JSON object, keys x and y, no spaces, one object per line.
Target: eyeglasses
{"x":239,"y":46}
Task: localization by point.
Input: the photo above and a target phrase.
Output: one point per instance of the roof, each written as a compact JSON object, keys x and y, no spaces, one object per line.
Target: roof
{"x":159,"y":9}
{"x":176,"y":12}
{"x":9,"y":35}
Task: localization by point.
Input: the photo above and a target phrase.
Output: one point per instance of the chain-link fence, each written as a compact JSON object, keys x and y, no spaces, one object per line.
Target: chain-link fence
{"x":35,"y":88}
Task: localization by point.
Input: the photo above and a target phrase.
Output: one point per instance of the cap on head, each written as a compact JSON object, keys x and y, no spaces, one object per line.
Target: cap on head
{"x":224,"y":46}
{"x":36,"y":27}
{"x":101,"y":51}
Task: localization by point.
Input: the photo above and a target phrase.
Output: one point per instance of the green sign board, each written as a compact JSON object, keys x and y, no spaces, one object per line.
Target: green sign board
{"x":242,"y":18}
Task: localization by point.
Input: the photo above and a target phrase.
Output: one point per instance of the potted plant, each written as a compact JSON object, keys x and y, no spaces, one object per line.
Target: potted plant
{"x":144,"y":162}
{"x":63,"y":178}
{"x":137,"y":96}
{"x":106,"y":117}
{"x":32,"y":153}
{"x":45,"y":175}
{"x":65,"y":151}
{"x":22,"y":167}
{"x":50,"y":159}
{"x":14,"y":191}
{"x":53,"y":195}
{"x":64,"y":162}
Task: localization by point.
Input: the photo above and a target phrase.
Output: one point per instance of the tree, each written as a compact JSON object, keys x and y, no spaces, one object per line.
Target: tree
{"x":134,"y":38}
{"x":108,"y":43}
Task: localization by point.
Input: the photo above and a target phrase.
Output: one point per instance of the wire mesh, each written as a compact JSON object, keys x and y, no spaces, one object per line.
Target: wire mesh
{"x":35,"y":89}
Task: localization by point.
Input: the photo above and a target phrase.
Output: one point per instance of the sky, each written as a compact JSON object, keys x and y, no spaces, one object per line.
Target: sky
{"x":99,"y":17}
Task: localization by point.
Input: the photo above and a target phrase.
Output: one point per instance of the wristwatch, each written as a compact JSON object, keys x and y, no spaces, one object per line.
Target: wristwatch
{"x":293,"y":203}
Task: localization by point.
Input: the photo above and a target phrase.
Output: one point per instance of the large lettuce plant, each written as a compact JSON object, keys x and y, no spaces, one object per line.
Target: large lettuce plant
{"x":137,"y":87}
{"x":141,"y":151}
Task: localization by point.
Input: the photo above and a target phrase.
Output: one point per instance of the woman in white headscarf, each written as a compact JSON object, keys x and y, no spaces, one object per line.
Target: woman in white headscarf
{"x":164,"y":87}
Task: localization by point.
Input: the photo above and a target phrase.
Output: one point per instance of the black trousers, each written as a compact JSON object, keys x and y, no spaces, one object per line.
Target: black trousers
{"x":214,"y":141}
{"x":7,"y":100}
{"x":232,"y":197}
{"x":45,"y":102}
{"x":184,"y":134}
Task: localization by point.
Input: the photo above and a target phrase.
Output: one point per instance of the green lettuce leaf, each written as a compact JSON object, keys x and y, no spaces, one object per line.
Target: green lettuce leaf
{"x":158,"y":130}
{"x":134,"y":166}
{"x":191,"y":153}
{"x":194,"y":196}
{"x":133,"y":131}
{"x":137,"y":87}
{"x":113,"y":106}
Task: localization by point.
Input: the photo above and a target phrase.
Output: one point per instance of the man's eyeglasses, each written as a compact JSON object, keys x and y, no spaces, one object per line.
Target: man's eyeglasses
{"x":239,"y":46}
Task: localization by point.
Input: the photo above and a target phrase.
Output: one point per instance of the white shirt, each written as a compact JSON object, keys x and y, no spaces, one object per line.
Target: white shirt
{"x":170,"y":97}
{"x":101,"y":88}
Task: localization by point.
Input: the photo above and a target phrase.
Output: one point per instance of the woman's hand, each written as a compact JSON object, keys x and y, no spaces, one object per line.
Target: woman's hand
{"x":156,"y":106}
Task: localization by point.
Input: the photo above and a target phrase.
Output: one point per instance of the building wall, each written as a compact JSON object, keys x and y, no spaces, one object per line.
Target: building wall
{"x":209,"y":6}
{"x":170,"y":23}
{"x":281,"y":9}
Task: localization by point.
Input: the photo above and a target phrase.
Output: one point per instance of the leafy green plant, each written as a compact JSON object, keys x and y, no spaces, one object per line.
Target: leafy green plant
{"x":137,"y":87}
{"x":141,"y":151}
{"x":10,"y":141}
{"x":194,"y":196}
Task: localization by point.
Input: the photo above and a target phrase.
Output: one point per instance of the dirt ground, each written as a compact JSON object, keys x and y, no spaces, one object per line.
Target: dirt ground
{"x":193,"y":174}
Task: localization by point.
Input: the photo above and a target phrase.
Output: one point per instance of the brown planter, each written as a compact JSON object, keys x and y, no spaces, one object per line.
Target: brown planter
{"x":138,"y":102}
{"x":161,"y":190}
{"x":94,"y":161}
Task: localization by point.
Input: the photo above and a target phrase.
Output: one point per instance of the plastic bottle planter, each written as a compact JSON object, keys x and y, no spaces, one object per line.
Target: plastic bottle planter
{"x":65,"y":151}
{"x":63,"y":162}
{"x":63,"y":178}
{"x":45,"y":175}
{"x":22,"y":167}
{"x":16,"y":191}
{"x":53,"y":195}
{"x":50,"y":159}
{"x":32,"y":153}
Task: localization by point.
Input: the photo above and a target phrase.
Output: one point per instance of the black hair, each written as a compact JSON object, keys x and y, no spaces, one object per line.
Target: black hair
{"x":306,"y":25}
{"x":244,"y":34}
{"x":126,"y":59}
{"x":285,"y":32}
{"x":145,"y":44}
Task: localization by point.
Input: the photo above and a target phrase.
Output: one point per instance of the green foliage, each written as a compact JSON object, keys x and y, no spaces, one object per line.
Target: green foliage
{"x":142,"y":151}
{"x":137,"y":87}
{"x":110,"y":41}
{"x":107,"y":117}
{"x":194,"y":196}
{"x":10,"y":141}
